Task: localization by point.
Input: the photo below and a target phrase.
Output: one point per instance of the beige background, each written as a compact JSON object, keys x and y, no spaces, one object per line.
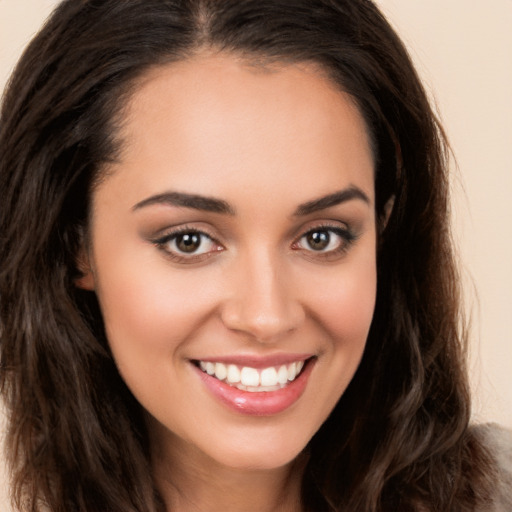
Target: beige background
{"x":464,"y":53}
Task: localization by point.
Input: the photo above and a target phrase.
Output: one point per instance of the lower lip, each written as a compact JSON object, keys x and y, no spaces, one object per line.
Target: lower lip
{"x":260,"y":403}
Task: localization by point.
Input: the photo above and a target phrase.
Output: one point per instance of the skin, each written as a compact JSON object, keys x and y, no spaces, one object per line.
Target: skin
{"x":265,"y":141}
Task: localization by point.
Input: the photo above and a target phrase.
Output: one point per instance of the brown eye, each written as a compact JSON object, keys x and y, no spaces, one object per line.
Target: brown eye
{"x":188,"y":246}
{"x":188,"y":242}
{"x":318,"y":240}
{"x":325,"y":241}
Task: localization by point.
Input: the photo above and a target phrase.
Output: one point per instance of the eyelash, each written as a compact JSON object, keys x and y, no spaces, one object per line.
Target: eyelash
{"x":346,"y":235}
{"x":163,"y":242}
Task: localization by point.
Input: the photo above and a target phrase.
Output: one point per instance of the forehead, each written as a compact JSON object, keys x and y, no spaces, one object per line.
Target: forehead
{"x":216,"y":117}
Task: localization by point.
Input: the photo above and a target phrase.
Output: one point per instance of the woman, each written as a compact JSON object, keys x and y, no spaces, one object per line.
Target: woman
{"x":227,"y":279}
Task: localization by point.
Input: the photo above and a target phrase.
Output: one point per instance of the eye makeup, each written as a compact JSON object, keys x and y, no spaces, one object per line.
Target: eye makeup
{"x":325,"y":242}
{"x":187,"y":244}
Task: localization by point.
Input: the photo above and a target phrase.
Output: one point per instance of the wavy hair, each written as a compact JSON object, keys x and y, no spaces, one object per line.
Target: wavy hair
{"x":398,"y":439}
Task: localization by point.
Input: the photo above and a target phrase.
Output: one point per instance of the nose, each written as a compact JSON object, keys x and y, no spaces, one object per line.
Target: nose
{"x":262,"y":302}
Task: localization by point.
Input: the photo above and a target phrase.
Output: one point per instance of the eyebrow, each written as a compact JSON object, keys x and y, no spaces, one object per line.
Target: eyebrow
{"x":196,"y":202}
{"x":211,"y":204}
{"x":334,"y":199}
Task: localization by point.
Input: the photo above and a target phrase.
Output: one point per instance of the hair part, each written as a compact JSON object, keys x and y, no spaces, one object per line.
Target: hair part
{"x":398,"y":438}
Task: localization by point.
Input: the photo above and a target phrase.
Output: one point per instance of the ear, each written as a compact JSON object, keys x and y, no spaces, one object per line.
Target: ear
{"x":86,"y":279}
{"x":388,"y":208}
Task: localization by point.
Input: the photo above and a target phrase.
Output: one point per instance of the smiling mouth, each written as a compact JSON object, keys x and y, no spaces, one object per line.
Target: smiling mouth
{"x":255,"y":380}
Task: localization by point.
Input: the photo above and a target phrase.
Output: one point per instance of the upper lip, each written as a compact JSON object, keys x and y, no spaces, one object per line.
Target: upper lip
{"x":256,"y":361}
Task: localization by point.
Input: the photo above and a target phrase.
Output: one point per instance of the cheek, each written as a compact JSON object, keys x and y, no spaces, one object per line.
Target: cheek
{"x":150,"y":319}
{"x":149,"y":310}
{"x":342,"y":305}
{"x":344,"y":301}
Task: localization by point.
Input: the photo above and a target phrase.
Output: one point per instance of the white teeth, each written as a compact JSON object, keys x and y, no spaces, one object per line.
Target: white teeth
{"x":292,"y":371}
{"x":252,"y":379}
{"x":233,"y":374}
{"x":268,"y":377}
{"x":249,"y":376}
{"x":282,"y":375}
{"x":220,"y":371}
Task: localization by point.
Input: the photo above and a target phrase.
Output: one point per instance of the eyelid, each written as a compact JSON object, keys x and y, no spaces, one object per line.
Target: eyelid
{"x":172,"y":233}
{"x":341,"y":229}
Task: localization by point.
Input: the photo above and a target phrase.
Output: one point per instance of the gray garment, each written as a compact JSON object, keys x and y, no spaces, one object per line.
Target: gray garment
{"x":499,"y":442}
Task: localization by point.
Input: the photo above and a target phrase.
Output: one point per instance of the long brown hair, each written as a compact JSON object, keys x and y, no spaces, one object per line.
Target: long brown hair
{"x":398,"y":439}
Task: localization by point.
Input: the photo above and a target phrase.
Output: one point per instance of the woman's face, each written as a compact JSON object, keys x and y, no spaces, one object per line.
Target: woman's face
{"x":232,"y":246}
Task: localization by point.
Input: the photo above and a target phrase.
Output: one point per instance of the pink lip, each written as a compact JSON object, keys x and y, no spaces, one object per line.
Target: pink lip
{"x":264,"y":403}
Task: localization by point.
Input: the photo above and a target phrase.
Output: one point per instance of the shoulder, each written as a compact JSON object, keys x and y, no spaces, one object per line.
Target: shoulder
{"x":498,"y":441}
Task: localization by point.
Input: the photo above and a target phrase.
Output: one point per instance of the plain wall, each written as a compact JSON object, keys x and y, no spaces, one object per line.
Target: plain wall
{"x":463,"y":51}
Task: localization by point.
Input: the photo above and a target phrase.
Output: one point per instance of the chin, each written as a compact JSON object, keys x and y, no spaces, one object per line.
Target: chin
{"x":264,"y":452}
{"x":262,"y":461}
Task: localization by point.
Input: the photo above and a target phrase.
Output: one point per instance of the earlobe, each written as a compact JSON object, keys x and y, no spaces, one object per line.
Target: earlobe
{"x":86,"y":279}
{"x":86,"y":282}
{"x":388,"y":208}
